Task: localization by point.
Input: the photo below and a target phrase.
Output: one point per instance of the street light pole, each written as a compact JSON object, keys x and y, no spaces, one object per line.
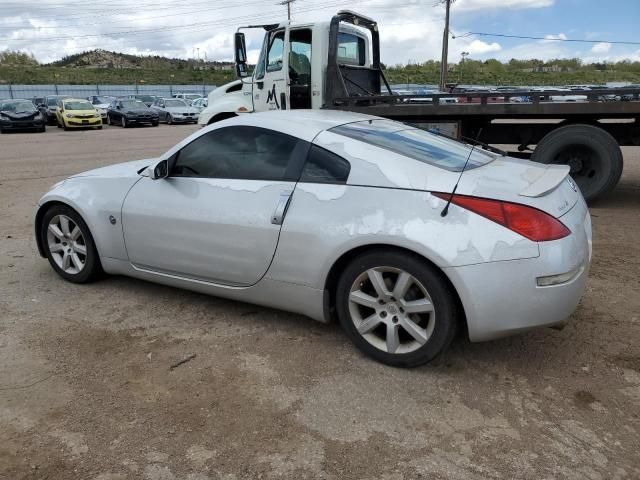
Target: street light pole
{"x":444,"y":64}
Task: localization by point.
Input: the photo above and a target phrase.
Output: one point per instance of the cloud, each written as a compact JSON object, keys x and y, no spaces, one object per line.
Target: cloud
{"x":510,"y":4}
{"x":552,"y":37}
{"x":480,"y":47}
{"x":602,"y":47}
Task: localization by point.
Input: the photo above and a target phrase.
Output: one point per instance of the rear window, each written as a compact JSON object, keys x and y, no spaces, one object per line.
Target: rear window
{"x":415,"y":143}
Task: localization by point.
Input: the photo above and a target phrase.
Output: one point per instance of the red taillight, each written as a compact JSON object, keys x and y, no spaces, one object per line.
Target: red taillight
{"x":529,"y":222}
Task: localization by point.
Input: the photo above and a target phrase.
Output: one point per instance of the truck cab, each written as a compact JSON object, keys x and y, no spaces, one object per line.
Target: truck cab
{"x":296,"y":66}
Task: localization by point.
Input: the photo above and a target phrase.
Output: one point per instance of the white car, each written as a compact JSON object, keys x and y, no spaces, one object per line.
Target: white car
{"x":188,"y":97}
{"x":404,"y":236}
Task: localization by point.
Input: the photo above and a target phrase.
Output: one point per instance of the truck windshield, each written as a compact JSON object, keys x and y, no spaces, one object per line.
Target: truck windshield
{"x":415,"y":143}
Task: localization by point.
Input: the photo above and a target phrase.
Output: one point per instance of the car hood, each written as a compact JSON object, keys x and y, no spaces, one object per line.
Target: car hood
{"x":20,"y":115}
{"x":103,"y":106}
{"x":181,"y":109}
{"x":140,"y":111}
{"x":118,"y":170}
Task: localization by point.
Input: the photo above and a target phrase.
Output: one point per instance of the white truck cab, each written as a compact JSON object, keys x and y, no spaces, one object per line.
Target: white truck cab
{"x":294,"y":64}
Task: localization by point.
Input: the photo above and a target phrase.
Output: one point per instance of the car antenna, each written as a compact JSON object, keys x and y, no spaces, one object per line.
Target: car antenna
{"x":445,"y":210}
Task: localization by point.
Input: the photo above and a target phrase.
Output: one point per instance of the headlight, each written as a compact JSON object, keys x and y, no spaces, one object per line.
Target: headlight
{"x":69,"y":115}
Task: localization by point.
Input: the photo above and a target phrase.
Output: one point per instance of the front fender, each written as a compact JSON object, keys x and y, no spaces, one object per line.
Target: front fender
{"x":235,"y":102}
{"x":96,"y":199}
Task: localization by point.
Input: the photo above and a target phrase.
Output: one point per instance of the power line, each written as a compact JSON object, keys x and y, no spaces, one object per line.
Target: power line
{"x":524,"y":37}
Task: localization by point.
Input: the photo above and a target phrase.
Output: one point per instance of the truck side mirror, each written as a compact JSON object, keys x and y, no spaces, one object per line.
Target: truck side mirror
{"x":240,"y":55}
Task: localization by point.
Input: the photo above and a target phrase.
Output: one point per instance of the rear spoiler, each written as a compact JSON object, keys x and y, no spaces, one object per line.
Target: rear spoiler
{"x":548,"y":181}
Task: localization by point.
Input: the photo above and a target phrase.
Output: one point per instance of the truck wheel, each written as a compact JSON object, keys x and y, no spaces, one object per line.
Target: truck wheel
{"x":593,"y":155}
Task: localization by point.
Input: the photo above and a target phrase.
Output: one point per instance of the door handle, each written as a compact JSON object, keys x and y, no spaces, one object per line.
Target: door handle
{"x":281,"y":208}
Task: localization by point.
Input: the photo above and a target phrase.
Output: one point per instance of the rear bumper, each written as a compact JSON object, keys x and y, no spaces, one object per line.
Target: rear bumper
{"x":504,"y":298}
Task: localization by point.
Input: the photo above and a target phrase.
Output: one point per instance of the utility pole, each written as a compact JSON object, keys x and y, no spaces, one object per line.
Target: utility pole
{"x":444,"y":64}
{"x":288,"y":4}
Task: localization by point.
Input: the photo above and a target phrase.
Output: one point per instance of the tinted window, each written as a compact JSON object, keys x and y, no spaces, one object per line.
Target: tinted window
{"x":415,"y":143}
{"x":322,"y":166}
{"x":351,"y":49}
{"x":274,"y":57}
{"x":240,"y":152}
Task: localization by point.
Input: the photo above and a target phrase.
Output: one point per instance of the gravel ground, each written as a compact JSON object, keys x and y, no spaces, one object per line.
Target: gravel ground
{"x":86,"y":391}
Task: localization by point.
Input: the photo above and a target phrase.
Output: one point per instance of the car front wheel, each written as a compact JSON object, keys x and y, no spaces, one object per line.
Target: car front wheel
{"x":69,"y":245}
{"x":396,"y":308}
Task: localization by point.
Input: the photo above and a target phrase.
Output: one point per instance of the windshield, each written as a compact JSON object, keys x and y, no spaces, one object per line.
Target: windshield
{"x":100,"y":100}
{"x":21,"y":106}
{"x":133,"y":104}
{"x":175,"y":102}
{"x":146,"y":98}
{"x":78,"y":106}
{"x":53,"y":101}
{"x":415,"y":143}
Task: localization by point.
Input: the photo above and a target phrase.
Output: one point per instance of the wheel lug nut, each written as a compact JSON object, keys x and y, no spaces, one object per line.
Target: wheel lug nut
{"x":395,"y":319}
{"x":392,"y":299}
{"x":383,"y":314}
{"x":381,"y":302}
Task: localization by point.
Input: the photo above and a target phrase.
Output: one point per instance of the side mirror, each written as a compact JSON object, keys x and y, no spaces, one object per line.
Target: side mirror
{"x":161,"y":170}
{"x":240,"y":54}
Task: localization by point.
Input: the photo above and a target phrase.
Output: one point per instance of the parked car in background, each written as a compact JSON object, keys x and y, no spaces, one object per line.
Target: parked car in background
{"x":128,"y":112}
{"x":77,"y":113}
{"x":50,"y":106}
{"x":200,"y":103}
{"x":146,"y":99}
{"x":101,"y":102}
{"x":327,"y":214}
{"x":21,"y":114}
{"x":37,"y":101}
{"x":175,"y":110}
{"x":189,"y":97}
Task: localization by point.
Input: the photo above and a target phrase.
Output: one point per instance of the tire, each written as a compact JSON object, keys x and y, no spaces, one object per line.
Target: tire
{"x":169,"y":119}
{"x":43,"y":129}
{"x":99,"y":127}
{"x":65,"y":128}
{"x":154,"y":124}
{"x":2,"y":130}
{"x":592,"y":153}
{"x":123,"y":121}
{"x":109,"y":120}
{"x":384,"y":313}
{"x":90,"y":268}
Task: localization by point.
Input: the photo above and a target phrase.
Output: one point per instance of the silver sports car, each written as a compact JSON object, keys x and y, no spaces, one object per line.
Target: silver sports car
{"x":336,"y":215}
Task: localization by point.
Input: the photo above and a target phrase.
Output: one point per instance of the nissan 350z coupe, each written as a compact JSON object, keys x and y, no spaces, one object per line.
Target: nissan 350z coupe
{"x":336,"y":215}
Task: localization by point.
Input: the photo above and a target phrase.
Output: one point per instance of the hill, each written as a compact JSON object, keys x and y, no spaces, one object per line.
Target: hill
{"x":105,"y":67}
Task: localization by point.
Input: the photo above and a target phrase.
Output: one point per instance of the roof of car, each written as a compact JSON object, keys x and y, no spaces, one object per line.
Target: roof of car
{"x":305,"y":124}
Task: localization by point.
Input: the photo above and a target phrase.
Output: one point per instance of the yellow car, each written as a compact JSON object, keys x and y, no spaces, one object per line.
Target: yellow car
{"x":76,"y":113}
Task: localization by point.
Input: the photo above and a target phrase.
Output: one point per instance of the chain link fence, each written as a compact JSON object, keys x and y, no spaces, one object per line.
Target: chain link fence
{"x":83,"y":91}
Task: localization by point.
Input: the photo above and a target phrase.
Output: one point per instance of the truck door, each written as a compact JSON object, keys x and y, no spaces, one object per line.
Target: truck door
{"x":300,"y":68}
{"x":270,"y":88}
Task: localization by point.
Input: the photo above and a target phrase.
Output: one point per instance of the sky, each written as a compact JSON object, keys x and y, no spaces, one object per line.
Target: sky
{"x":410,"y":30}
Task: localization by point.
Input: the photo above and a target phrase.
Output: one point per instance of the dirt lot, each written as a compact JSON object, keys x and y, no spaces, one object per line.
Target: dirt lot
{"x":86,"y":391}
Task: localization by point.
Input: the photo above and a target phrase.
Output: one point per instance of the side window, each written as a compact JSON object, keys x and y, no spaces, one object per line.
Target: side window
{"x":241,"y":152}
{"x":276,"y":50}
{"x":300,"y":55}
{"x":351,"y":49}
{"x":322,"y":166}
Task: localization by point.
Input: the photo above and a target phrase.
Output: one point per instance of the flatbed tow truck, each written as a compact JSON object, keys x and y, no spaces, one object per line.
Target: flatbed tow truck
{"x":336,"y":65}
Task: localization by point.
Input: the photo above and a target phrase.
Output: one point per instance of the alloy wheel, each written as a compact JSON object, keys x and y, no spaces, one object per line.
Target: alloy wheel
{"x":66,"y":244}
{"x":391,"y":310}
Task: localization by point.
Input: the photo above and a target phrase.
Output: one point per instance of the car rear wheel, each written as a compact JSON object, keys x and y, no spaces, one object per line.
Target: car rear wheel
{"x":69,"y":245}
{"x":396,"y":308}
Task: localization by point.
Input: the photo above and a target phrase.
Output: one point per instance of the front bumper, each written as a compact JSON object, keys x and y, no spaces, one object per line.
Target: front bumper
{"x":83,"y":122}
{"x":141,"y":120}
{"x":22,"y":125}
{"x":503,"y":298}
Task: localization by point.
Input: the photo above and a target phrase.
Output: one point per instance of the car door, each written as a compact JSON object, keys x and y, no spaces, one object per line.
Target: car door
{"x":217,"y":216}
{"x":270,"y":85}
